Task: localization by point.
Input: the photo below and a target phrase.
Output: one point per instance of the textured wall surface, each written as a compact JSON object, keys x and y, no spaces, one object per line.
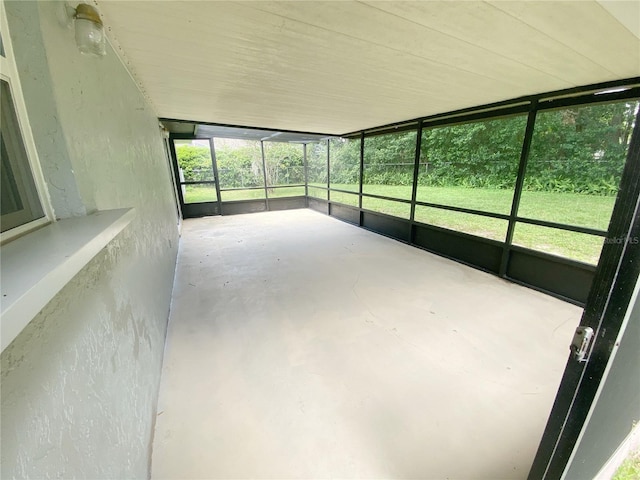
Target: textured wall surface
{"x":48,"y":134}
{"x":79,"y":384}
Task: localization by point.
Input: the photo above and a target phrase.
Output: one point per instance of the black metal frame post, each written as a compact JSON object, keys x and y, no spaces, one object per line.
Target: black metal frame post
{"x":416,"y":172}
{"x":328,"y":174}
{"x":264,"y":174}
{"x":613,"y":286}
{"x":306,"y":174}
{"x":167,"y":149}
{"x":176,"y":170}
{"x":517,"y":193}
{"x":214,"y":164}
{"x":361,"y":176}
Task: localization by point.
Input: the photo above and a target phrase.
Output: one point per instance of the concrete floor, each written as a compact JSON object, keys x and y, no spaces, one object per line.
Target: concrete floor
{"x":303,"y":347}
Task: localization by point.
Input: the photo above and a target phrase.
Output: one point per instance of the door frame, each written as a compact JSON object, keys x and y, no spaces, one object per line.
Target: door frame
{"x":195,"y":209}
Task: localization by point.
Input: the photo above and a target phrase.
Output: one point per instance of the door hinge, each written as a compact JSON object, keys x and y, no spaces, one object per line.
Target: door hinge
{"x":580,"y":343}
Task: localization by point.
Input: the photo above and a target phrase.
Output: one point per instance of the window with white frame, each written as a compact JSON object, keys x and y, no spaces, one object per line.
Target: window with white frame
{"x":24,"y":203}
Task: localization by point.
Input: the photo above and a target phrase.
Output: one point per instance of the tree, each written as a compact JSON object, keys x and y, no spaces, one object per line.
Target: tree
{"x":481,"y":154}
{"x":317,"y":163}
{"x":240,"y":166}
{"x":195,"y":162}
{"x":578,"y":149}
{"x":345,"y":160}
{"x":284,"y":162}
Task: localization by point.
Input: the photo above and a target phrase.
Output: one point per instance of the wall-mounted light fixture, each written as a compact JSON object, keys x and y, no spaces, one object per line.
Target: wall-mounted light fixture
{"x":90,"y":37}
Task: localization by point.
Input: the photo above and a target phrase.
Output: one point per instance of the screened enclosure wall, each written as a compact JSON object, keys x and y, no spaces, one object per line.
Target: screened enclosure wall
{"x":195,"y":171}
{"x":318,"y":170}
{"x":225,"y":176}
{"x":470,"y":166}
{"x":572,"y":177}
{"x":344,"y":175}
{"x":525,"y":191}
{"x":240,"y":169}
{"x":284,"y":169}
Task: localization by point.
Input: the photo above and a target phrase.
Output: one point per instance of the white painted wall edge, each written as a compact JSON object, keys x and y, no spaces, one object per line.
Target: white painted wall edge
{"x":36,"y":267}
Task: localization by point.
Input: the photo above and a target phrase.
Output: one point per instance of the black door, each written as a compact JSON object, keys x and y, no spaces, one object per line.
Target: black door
{"x":196,"y":177}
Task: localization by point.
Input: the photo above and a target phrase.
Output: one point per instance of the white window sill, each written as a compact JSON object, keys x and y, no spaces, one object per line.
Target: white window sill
{"x":35,"y":267}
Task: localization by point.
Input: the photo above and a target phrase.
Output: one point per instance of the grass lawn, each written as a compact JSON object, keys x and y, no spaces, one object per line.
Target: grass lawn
{"x":573,"y":209}
{"x":207,"y":193}
{"x":199,"y":193}
{"x":569,"y":208}
{"x":630,"y":468}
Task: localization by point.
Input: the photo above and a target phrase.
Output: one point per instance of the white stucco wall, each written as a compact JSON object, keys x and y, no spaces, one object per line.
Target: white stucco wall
{"x":79,"y":384}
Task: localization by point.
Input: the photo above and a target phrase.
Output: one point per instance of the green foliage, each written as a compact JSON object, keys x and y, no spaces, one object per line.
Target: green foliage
{"x":240,"y":166}
{"x":481,"y":155}
{"x":317,"y":163}
{"x":574,"y":150}
{"x":285,"y":163}
{"x":580,"y":150}
{"x":345,"y":160}
{"x":630,"y":468}
{"x":195,"y":162}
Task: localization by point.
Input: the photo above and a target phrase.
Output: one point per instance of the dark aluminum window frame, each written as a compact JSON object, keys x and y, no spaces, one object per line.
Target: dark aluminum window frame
{"x":531,"y":105}
{"x":233,"y":207}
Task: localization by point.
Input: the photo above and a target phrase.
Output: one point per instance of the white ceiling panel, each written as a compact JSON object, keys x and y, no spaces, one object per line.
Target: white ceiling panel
{"x":591,"y":33}
{"x":337,"y":67}
{"x":626,"y":12}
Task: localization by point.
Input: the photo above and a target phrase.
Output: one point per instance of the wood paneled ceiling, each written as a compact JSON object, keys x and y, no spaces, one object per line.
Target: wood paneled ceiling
{"x":340,"y":66}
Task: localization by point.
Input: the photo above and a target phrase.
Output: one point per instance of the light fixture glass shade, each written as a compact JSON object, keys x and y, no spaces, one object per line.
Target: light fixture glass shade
{"x":90,"y":37}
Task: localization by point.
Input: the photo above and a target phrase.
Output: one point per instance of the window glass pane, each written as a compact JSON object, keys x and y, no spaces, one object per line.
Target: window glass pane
{"x":568,"y":208}
{"x":318,"y":192}
{"x":388,"y":164}
{"x":239,"y":169}
{"x":577,"y":246}
{"x":576,"y":162}
{"x":284,"y":163}
{"x":346,"y":198}
{"x":199,"y":193}
{"x":286,"y":192}
{"x":20,"y":203}
{"x":240,"y":194}
{"x":194,"y":160}
{"x":397,"y":209}
{"x":478,"y":225}
{"x":472,"y":165}
{"x":11,"y":201}
{"x":483,"y":199}
{"x":317,"y":163}
{"x":344,"y":155}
